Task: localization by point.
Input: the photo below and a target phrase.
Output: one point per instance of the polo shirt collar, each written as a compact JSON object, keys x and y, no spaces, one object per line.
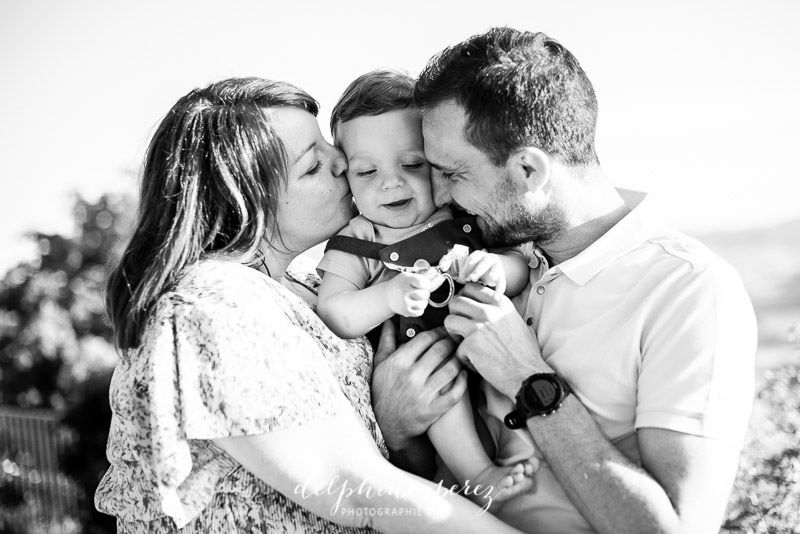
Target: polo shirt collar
{"x":629,"y":233}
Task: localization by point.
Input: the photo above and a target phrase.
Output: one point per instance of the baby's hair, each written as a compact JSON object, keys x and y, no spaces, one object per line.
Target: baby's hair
{"x":376,"y":92}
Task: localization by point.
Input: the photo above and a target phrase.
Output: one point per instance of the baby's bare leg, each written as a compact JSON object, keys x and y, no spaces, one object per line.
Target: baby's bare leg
{"x":483,"y":482}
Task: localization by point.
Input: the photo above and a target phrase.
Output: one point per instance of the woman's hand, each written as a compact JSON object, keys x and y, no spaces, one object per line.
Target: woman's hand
{"x":413,"y":385}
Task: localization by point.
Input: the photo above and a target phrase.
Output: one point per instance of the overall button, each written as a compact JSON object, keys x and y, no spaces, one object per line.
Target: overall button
{"x":540,"y":290}
{"x":394,"y":256}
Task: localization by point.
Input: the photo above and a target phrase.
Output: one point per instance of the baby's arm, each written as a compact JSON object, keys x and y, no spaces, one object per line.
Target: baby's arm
{"x":350,"y":311}
{"x":507,"y":271}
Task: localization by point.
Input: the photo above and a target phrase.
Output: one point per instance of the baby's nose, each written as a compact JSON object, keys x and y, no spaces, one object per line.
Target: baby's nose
{"x":391,"y":180}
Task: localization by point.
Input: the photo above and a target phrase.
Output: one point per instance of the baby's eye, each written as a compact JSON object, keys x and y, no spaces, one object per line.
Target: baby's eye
{"x":366,"y":173}
{"x":413,"y":166}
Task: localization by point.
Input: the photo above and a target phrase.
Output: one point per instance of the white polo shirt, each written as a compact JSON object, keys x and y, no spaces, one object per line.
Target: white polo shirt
{"x":651,"y":329}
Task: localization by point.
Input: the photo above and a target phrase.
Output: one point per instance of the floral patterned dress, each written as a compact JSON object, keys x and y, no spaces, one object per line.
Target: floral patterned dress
{"x":229,"y":352}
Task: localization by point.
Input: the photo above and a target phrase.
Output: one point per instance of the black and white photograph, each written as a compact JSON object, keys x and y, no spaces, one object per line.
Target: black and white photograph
{"x":345,"y":267}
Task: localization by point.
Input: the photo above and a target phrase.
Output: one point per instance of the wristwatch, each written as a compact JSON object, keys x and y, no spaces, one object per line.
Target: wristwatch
{"x":540,"y":394}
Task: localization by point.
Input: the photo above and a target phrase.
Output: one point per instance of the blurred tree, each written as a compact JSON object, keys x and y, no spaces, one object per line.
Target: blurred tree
{"x":55,"y":341}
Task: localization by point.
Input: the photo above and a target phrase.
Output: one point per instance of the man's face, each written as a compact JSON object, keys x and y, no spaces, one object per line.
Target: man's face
{"x":463,"y":175}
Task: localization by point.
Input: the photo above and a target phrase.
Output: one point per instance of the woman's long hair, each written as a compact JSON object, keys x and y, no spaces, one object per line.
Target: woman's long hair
{"x":209,"y":185}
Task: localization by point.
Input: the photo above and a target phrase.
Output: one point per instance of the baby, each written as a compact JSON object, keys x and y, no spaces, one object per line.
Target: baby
{"x":380,"y":131}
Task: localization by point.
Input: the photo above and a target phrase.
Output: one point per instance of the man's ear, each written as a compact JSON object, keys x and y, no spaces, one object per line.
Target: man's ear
{"x":531,"y":166}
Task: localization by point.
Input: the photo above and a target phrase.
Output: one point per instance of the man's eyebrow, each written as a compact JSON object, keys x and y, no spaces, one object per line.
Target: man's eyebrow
{"x":305,"y":151}
{"x":442,"y":167}
{"x":437,"y":166}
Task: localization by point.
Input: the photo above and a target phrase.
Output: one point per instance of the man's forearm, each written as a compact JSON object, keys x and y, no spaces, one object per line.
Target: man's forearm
{"x":611,"y":492}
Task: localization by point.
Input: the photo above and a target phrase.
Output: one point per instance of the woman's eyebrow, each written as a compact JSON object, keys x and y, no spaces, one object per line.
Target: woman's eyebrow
{"x":305,"y":151}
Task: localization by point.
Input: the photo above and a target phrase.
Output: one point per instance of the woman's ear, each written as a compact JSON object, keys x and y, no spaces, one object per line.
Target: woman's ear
{"x":530,"y":166}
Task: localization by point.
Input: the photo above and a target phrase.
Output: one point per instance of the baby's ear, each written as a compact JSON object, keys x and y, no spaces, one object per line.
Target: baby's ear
{"x":530,"y":166}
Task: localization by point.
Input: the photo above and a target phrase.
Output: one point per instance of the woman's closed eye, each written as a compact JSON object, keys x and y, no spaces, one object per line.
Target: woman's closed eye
{"x":315,"y":169}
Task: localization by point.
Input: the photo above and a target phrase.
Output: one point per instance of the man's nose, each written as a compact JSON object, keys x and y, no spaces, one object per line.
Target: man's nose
{"x":440,"y":189}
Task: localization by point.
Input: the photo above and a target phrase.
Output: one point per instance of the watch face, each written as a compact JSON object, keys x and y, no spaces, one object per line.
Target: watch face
{"x":542,"y":393}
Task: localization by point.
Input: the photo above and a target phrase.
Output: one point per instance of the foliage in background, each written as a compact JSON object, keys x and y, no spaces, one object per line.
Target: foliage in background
{"x":55,"y":343}
{"x":766,"y":495}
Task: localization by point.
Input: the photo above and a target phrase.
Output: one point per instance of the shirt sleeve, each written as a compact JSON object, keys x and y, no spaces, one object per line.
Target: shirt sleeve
{"x":238,"y":366}
{"x":698,"y":353}
{"x":354,"y":269}
{"x":227,"y":357}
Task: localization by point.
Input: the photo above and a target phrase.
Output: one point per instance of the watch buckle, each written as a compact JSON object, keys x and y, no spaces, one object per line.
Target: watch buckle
{"x":514,"y":420}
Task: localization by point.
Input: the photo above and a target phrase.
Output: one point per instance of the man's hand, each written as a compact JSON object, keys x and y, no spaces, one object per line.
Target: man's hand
{"x":412,"y":386}
{"x":497,"y":343}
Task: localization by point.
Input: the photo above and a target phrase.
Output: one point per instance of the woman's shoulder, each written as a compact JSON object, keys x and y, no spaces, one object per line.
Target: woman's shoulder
{"x":212,"y":273}
{"x":224,"y":282}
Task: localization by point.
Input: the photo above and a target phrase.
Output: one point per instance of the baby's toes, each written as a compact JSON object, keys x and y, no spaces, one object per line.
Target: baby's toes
{"x":506,"y":482}
{"x":531,"y":465}
{"x":513,"y":485}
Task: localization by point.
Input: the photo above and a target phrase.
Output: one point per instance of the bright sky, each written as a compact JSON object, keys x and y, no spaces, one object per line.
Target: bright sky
{"x":698,"y":100}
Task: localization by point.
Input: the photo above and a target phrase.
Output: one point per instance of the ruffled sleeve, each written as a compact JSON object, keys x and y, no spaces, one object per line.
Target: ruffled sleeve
{"x":226,"y":359}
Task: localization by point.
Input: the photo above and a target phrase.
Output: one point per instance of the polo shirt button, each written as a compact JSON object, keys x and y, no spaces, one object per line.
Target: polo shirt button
{"x":529,"y":321}
{"x":540,"y":290}
{"x":411,"y":332}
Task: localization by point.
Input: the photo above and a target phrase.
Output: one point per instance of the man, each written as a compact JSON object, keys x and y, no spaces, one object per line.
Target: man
{"x":630,"y":354}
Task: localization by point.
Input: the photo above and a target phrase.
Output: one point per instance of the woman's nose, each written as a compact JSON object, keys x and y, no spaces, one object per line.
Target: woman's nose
{"x":339,"y":163}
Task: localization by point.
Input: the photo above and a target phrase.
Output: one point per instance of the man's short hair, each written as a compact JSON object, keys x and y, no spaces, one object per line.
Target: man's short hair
{"x":374,"y":93}
{"x":517,"y":89}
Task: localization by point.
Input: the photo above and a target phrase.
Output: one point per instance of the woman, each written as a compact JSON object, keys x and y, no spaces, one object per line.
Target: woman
{"x":235,"y":408}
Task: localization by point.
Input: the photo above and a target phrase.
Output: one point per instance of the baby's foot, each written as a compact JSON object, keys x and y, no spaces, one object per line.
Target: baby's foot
{"x":496,"y":484}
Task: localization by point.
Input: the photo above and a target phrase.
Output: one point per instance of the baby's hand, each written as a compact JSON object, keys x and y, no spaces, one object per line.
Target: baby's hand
{"x":484,"y":267}
{"x":408,"y":293}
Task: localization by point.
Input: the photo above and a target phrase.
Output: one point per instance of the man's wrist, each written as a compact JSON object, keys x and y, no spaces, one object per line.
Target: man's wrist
{"x":512,"y":386}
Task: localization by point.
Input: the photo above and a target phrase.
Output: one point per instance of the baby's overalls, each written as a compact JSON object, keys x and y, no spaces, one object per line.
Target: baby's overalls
{"x":429,"y":245}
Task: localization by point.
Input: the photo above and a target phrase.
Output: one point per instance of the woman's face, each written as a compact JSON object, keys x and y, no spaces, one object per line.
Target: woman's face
{"x":316,"y":202}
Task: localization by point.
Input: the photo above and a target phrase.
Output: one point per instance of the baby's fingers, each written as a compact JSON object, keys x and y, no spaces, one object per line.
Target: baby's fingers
{"x":474,"y":267}
{"x":498,"y":275}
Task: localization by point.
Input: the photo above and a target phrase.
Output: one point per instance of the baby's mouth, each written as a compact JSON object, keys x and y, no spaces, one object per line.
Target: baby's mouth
{"x":398,"y":205}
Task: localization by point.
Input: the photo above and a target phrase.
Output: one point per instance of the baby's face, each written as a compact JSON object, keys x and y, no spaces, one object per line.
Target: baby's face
{"x":388,"y":174}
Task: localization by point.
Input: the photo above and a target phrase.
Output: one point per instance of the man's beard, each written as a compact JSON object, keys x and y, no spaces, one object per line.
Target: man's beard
{"x":514,"y":223}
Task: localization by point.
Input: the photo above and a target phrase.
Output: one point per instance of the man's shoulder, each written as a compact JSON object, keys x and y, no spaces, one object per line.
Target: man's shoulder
{"x":676,"y":250}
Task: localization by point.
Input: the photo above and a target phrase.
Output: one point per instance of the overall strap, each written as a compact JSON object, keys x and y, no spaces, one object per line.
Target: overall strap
{"x":352,"y":245}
